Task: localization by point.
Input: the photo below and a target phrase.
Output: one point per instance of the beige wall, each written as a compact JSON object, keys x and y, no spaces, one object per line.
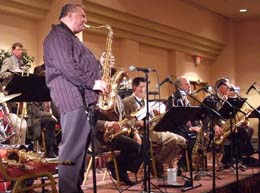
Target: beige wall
{"x":175,"y":13}
{"x":239,"y":60}
{"x":17,"y":29}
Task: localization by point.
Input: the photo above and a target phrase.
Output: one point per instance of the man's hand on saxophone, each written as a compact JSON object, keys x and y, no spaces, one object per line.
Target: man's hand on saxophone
{"x":137,"y":138}
{"x":103,"y":58}
{"x":112,"y":125}
{"x":218,"y":130}
{"x":101,"y":85}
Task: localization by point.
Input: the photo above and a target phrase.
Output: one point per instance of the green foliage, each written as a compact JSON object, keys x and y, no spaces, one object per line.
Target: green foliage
{"x":27,"y":60}
{"x":4,"y":54}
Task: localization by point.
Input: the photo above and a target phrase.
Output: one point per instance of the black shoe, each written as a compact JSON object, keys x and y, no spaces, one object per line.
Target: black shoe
{"x":111,"y":168}
{"x":179,"y":171}
{"x":125,"y":178}
{"x":50,"y":154}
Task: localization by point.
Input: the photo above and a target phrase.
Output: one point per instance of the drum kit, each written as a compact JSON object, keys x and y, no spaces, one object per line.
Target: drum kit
{"x":6,"y":129}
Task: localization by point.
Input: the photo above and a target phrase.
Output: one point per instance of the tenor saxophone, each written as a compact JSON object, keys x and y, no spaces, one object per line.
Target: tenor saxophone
{"x":125,"y":129}
{"x":106,"y":101}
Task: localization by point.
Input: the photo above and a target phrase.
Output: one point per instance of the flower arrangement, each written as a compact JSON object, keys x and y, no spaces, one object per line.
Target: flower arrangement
{"x":27,"y":60}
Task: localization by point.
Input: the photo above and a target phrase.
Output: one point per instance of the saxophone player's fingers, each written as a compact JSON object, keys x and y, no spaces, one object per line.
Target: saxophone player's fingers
{"x":116,"y":126}
{"x":111,"y":60}
{"x":218,"y":130}
{"x":101,"y":85}
{"x":102,"y":58}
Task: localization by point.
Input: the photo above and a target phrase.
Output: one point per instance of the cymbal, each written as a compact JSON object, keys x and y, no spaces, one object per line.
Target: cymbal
{"x":8,"y":97}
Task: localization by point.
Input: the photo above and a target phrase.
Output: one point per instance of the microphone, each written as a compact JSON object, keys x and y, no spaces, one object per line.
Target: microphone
{"x":250,"y":88}
{"x":206,"y":88}
{"x":133,"y":68}
{"x":167,"y":79}
{"x":235,"y":89}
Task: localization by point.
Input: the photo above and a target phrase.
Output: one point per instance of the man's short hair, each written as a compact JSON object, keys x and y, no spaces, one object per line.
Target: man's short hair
{"x":69,"y":8}
{"x":17,"y":44}
{"x":221,"y":81}
{"x":178,"y":82}
{"x":137,"y":80}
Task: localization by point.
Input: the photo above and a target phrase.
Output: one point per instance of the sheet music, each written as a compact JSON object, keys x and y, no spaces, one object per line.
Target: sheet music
{"x":159,"y":106}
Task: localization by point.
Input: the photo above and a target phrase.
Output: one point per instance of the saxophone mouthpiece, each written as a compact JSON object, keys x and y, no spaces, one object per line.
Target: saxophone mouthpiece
{"x":87,"y":26}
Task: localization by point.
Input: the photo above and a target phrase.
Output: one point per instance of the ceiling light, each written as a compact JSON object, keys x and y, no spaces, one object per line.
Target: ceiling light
{"x":243,"y":10}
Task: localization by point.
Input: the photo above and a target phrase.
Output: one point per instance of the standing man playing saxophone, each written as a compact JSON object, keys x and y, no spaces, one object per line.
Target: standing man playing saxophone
{"x":71,"y":67}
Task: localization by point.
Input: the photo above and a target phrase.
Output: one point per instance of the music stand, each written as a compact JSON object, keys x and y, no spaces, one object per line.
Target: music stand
{"x":231,"y":107}
{"x":182,"y":115}
{"x":32,"y":87}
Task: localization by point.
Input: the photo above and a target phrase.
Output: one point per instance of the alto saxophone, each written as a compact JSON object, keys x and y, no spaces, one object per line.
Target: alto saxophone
{"x":106,"y":101}
{"x":227,"y":129}
{"x":125,"y":129}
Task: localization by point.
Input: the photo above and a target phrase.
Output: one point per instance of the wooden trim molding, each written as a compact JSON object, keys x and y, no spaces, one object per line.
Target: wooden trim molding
{"x":151,"y":33}
{"x":27,"y":8}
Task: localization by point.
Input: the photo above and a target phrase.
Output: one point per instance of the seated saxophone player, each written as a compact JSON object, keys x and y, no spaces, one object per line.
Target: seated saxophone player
{"x":188,"y":129}
{"x":168,"y":142}
{"x":216,"y":101}
{"x":128,"y":142}
{"x":242,"y":146}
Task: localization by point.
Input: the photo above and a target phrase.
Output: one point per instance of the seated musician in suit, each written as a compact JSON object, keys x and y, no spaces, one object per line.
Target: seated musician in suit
{"x":188,"y":129}
{"x":216,"y":101}
{"x":130,"y":144}
{"x":169,"y":143}
{"x":13,"y":64}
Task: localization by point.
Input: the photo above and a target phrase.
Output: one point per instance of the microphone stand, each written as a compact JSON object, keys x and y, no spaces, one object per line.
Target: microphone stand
{"x":214,"y":115}
{"x":147,"y":166}
{"x":147,"y":182}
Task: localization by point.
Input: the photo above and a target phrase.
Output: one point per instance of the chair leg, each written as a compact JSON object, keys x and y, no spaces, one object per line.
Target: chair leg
{"x":105,"y":175}
{"x":116,"y":168}
{"x":87,"y":171}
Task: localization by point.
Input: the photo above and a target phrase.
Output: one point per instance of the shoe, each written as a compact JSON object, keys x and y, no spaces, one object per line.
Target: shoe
{"x":110,"y":167}
{"x":179,"y":172}
{"x":50,"y":154}
{"x":125,"y":178}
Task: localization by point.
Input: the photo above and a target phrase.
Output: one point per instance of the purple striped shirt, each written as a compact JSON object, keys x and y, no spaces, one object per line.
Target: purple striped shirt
{"x":69,"y":65}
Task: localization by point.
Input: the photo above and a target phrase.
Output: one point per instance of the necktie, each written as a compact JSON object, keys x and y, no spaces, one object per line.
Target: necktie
{"x":140,"y":102}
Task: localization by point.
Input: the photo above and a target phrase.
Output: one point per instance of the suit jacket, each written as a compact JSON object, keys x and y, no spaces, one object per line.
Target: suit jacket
{"x":179,"y":98}
{"x":131,"y":106}
{"x":116,"y":115}
{"x":9,"y":66}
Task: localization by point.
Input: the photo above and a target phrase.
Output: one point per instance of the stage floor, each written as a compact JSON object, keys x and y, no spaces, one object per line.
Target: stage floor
{"x":227,"y":176}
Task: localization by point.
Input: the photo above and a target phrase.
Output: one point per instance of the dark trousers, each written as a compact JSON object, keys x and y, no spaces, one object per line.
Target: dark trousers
{"x":49,"y":124}
{"x":75,"y":131}
{"x":131,"y":155}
